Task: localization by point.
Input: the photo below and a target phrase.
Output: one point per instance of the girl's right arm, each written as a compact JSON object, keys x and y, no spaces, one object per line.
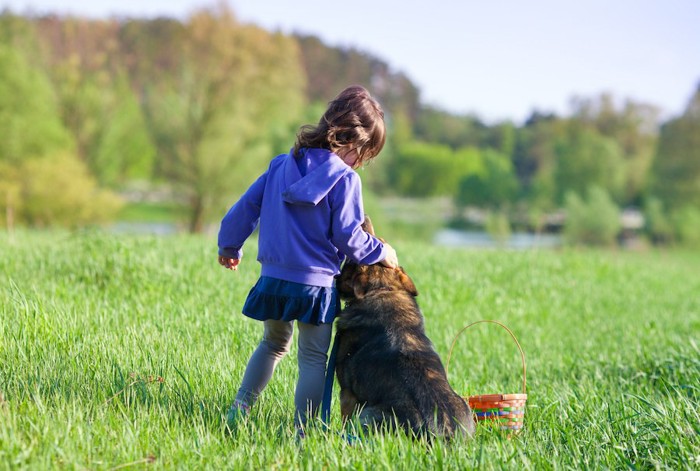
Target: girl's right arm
{"x":347,"y":233}
{"x":241,"y":220}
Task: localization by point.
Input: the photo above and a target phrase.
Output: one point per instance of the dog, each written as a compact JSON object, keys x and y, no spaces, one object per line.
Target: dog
{"x":387,"y":368}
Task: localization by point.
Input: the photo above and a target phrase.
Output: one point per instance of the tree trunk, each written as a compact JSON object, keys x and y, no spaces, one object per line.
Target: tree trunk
{"x":10,"y":213}
{"x":196,"y":215}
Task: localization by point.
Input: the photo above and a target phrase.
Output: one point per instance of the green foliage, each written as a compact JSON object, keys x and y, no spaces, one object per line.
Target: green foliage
{"x":501,"y":137}
{"x":81,"y":98}
{"x":421,"y":169}
{"x":237,"y":92}
{"x":686,"y":222}
{"x":594,"y":221}
{"x":112,"y":358}
{"x":96,"y":101}
{"x":535,"y":160}
{"x":657,"y":221}
{"x":633,"y":127}
{"x":586,"y":158}
{"x":474,"y":161}
{"x":677,"y":164}
{"x":434,"y":125}
{"x":203,"y":104}
{"x":330,"y":69}
{"x":29,"y":118}
{"x":124,"y":150}
{"x":494,"y":186}
{"x":56,"y":190}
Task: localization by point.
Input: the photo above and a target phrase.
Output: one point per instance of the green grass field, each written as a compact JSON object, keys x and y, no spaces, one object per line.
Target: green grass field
{"x":123,"y":353}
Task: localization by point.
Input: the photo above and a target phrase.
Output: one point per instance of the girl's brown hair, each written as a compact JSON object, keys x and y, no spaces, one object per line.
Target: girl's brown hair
{"x":353,"y":120}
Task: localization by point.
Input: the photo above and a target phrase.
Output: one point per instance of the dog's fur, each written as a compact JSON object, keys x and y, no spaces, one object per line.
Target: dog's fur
{"x":388,"y":370}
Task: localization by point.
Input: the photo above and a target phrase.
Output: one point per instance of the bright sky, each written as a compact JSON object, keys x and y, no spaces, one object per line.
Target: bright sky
{"x":499,"y":59}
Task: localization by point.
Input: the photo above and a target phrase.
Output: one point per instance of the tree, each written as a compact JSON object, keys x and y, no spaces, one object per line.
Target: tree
{"x":29,"y":117}
{"x":96,"y":101}
{"x":593,"y":221}
{"x":535,"y":159}
{"x":331,"y":69}
{"x":30,"y":125}
{"x":584,"y":159}
{"x":10,"y":194}
{"x":501,"y":137}
{"x":494,"y":187}
{"x":41,"y":180}
{"x":123,"y":150}
{"x":81,"y":98}
{"x":434,"y":125}
{"x":658,"y":225}
{"x":422,"y":169}
{"x":634,"y":127}
{"x":235,"y":93}
{"x":676,"y":168}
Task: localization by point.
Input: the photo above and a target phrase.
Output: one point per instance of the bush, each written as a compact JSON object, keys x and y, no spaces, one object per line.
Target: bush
{"x":686,"y":223}
{"x":423,"y":170}
{"x":56,"y":191}
{"x":657,"y":223}
{"x":592,"y":222}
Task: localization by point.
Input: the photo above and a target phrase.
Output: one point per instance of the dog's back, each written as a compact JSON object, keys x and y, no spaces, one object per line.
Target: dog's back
{"x":387,"y":367}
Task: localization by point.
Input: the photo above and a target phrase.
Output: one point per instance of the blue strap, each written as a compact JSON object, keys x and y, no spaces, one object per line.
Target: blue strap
{"x":328,"y":386}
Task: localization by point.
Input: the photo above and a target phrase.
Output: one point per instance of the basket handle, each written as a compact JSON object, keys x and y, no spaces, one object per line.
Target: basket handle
{"x":522,"y":354}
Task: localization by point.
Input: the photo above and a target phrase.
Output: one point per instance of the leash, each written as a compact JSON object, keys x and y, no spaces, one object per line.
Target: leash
{"x":328,"y":386}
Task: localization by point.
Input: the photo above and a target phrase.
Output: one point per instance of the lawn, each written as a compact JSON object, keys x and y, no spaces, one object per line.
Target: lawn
{"x":123,"y":352}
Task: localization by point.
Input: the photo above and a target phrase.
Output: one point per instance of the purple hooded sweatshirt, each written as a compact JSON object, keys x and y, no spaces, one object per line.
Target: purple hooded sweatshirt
{"x":310,"y":214}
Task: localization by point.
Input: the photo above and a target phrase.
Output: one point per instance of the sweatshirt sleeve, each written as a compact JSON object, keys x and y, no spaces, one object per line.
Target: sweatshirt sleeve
{"x":346,"y":223}
{"x":241,"y":220}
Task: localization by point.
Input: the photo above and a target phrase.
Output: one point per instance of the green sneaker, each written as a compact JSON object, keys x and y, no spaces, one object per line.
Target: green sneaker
{"x":238,"y":412}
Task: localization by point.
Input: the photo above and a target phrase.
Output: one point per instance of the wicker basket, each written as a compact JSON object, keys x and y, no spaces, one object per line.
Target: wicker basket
{"x":506,"y":411}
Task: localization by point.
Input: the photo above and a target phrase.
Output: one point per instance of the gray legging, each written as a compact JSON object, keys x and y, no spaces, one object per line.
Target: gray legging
{"x":314,"y":341}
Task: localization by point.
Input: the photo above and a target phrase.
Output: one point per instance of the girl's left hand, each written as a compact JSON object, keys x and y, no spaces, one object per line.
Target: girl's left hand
{"x":391,"y":259}
{"x":230,"y":263}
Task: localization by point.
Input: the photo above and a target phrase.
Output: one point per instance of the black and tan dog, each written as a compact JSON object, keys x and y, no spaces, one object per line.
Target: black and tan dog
{"x":388,"y":370}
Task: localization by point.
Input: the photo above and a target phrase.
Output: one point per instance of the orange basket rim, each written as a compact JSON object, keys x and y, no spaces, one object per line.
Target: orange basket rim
{"x":498,"y":397}
{"x":522,"y":358}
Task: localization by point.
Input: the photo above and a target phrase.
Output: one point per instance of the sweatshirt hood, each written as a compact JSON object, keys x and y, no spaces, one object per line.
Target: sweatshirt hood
{"x":310,"y":189}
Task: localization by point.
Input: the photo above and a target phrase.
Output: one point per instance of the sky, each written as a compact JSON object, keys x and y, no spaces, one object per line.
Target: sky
{"x":499,"y":60}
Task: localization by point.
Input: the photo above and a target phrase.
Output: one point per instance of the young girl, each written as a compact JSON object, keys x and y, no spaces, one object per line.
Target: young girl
{"x":308,"y":205}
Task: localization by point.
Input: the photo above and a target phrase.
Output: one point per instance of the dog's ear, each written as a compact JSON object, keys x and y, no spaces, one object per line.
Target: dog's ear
{"x":407,"y":282}
{"x":343,"y":284}
{"x":360,"y":283}
{"x":367,"y":226}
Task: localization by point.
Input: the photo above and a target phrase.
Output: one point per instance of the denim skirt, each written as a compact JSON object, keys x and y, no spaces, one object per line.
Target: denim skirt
{"x":275,"y":299}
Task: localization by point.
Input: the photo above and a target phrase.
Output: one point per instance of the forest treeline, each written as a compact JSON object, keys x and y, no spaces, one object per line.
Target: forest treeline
{"x":88,"y":107}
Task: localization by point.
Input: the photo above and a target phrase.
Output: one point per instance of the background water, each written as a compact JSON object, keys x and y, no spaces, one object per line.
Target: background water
{"x":480,"y":239}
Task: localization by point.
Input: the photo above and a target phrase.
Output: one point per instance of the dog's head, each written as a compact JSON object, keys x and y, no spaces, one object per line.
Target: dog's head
{"x":357,"y":281}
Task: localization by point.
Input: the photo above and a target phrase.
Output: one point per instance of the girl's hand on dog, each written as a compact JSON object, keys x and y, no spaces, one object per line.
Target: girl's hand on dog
{"x":391,"y":259}
{"x":230,"y":263}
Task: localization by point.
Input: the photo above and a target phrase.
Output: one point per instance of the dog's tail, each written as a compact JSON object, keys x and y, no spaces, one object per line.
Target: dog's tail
{"x":451,"y":416}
